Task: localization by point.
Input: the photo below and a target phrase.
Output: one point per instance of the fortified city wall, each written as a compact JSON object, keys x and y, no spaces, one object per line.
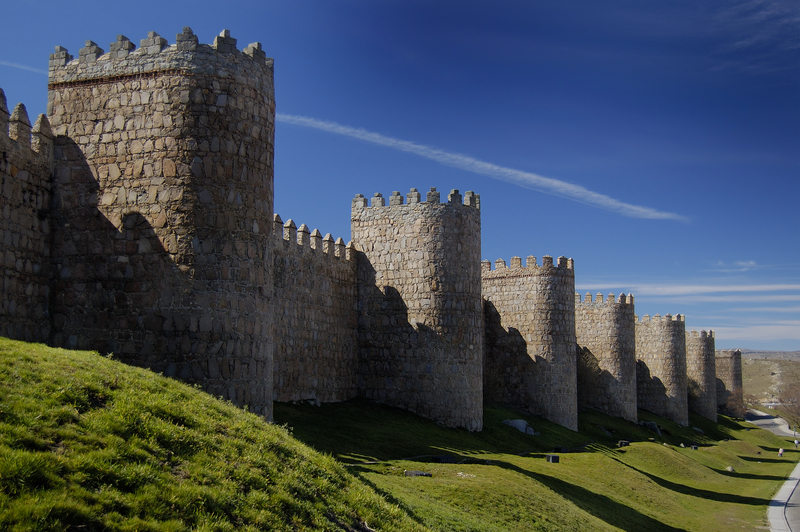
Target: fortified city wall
{"x":141,"y":224}
{"x":163,"y":201}
{"x":701,"y":374}
{"x":420,"y":319}
{"x":661,"y":366}
{"x":606,"y":336}
{"x":25,"y":170}
{"x":730,"y":397}
{"x":530,"y":360}
{"x":316,"y":342}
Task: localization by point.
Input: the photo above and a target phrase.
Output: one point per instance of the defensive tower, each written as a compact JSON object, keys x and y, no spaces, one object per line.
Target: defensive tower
{"x":661,"y":366}
{"x":164,"y":169}
{"x":606,"y":334}
{"x":530,"y":337}
{"x":701,"y":374}
{"x":730,"y":398}
{"x":420,"y":321}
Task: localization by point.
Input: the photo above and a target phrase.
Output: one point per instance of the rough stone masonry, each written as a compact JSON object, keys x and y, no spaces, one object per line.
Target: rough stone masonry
{"x":137,"y":218}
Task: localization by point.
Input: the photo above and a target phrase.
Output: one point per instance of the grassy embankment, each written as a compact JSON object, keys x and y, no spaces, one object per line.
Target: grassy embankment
{"x":503,"y":481}
{"x":87,"y":441}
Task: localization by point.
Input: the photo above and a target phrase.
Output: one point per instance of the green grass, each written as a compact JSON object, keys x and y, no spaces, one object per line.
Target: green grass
{"x":503,"y":482}
{"x":87,"y":443}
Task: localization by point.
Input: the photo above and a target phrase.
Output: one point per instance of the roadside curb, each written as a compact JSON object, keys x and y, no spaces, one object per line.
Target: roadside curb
{"x":777,"y":506}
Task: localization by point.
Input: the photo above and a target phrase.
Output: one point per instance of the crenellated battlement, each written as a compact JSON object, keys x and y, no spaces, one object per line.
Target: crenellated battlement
{"x":622,"y":300}
{"x":25,"y":145}
{"x":562,"y":267}
{"x":470,"y":199}
{"x":310,"y":242}
{"x":657,"y":318}
{"x":154,"y":55}
{"x":701,"y":334}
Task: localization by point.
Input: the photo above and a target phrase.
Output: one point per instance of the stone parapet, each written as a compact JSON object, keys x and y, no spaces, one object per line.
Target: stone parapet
{"x":531,"y":359}
{"x":606,"y":336}
{"x":25,"y":187}
{"x":420,"y":325}
{"x":316,"y":345}
{"x":701,"y":374}
{"x":661,"y":366}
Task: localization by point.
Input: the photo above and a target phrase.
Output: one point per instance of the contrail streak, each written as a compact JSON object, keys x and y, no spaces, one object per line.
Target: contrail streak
{"x":470,"y":164}
{"x":23,"y":67}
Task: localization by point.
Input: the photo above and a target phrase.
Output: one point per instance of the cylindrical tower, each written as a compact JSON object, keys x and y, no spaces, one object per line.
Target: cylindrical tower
{"x":730,"y":397}
{"x":701,"y":374}
{"x":530,"y":360}
{"x":163,"y":209}
{"x":606,"y":335}
{"x":661,"y":367}
{"x":420,"y":322}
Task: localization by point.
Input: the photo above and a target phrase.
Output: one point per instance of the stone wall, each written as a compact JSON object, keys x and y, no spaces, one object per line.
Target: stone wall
{"x":530,"y":360}
{"x":661,"y":367}
{"x":606,"y":336}
{"x":420,"y":320}
{"x":25,"y":172}
{"x":163,"y":196}
{"x":701,"y":374}
{"x":316,"y":343}
{"x":730,"y":397}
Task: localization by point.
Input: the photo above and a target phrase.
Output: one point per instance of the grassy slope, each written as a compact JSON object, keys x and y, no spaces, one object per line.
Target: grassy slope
{"x":85,"y":440}
{"x":505,"y":483}
{"x":88,"y":441}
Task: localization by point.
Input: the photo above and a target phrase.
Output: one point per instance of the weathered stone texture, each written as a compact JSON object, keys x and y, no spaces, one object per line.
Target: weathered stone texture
{"x":730,"y":397}
{"x":25,"y":158}
{"x":606,"y":335}
{"x":316,"y":344}
{"x":530,"y":360}
{"x":701,"y":374}
{"x":420,"y":321}
{"x":164,"y":166}
{"x":661,"y":367}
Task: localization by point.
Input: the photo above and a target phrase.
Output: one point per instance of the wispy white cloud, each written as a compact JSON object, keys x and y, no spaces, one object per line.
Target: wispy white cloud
{"x":23,"y":67}
{"x":728,"y":299}
{"x":766,"y":309}
{"x":782,"y":331}
{"x":657,"y":290}
{"x":470,"y":164}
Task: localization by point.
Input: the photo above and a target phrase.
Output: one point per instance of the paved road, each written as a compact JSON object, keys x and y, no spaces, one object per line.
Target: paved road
{"x":784,"y":510}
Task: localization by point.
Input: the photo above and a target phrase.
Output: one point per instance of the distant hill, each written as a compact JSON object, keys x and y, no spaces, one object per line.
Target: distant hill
{"x":770,"y":355}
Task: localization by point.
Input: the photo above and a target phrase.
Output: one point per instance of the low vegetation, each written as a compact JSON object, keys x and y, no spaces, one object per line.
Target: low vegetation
{"x":87,"y":443}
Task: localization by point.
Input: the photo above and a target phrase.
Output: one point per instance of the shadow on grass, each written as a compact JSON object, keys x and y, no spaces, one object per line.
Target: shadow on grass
{"x":749,"y":476}
{"x":602,"y":507}
{"x":703,"y":494}
{"x":391,"y":499}
{"x":762,"y":459}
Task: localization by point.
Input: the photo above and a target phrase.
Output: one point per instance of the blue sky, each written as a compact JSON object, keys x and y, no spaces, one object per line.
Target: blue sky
{"x":656,"y":143}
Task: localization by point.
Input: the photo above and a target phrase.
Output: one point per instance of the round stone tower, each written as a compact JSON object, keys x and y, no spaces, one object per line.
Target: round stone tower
{"x":730,"y":398}
{"x":661,"y":367}
{"x":420,"y":325}
{"x":163,"y":209}
{"x":701,"y":374}
{"x":531,"y":359}
{"x":606,"y":334}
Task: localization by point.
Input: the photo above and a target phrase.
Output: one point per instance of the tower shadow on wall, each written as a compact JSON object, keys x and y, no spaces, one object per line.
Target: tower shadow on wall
{"x":651,"y":394}
{"x":594,"y":382}
{"x":509,"y":372}
{"x":116,"y":288}
{"x":392,"y":365}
